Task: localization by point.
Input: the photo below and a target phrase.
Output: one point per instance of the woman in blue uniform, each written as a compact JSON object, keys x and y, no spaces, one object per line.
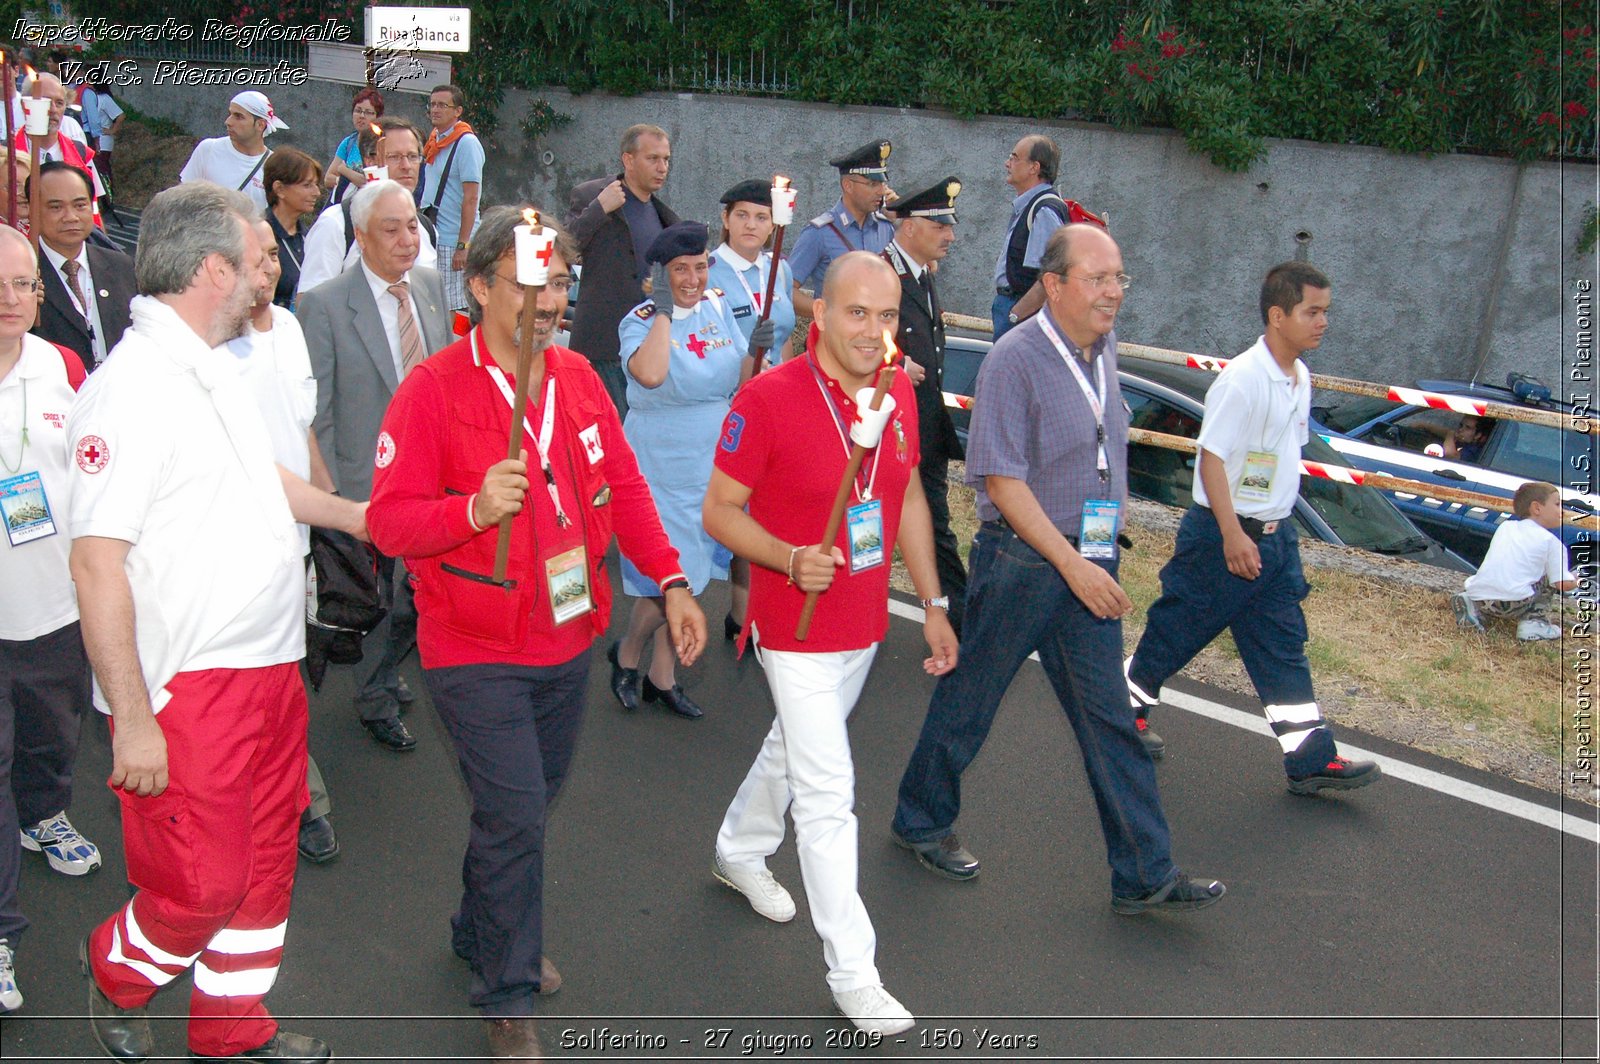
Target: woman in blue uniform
{"x":740,"y":267}
{"x":684,"y":356}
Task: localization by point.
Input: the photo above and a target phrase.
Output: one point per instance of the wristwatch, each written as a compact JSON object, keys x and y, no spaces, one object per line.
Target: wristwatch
{"x":675,"y":582}
{"x":943,"y":602}
{"x":1012,"y":317}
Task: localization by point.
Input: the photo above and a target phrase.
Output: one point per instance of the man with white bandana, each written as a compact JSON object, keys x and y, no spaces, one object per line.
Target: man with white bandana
{"x":236,"y":160}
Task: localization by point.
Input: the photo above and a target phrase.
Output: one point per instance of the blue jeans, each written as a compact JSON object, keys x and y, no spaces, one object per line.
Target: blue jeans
{"x":515,"y":728}
{"x":999,"y":313}
{"x":1200,"y":597}
{"x":1017,"y":604}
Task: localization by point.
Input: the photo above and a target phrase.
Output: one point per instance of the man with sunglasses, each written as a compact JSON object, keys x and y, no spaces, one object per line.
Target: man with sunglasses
{"x":855,"y":223}
{"x":1047,"y":455}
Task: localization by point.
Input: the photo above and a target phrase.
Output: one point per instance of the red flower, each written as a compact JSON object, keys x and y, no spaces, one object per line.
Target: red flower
{"x":1166,"y":35}
{"x":1575,"y":109}
{"x":1172,"y":51}
{"x":1546,"y":118}
{"x":1594,"y":83}
{"x":1119,"y":43}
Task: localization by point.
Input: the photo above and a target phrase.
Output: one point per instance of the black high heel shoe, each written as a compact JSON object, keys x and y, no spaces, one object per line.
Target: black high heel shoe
{"x":624,"y":682}
{"x":674,"y":699}
{"x":730,"y":628}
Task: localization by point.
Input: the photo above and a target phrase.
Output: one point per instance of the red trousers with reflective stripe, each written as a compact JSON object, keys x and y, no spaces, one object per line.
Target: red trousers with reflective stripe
{"x":213,"y":856}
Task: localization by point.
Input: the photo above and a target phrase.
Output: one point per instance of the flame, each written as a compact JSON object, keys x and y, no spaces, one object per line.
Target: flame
{"x":531,"y":217}
{"x":377,"y":130}
{"x":32,"y":75}
{"x":781,"y":182}
{"x":888,"y":347}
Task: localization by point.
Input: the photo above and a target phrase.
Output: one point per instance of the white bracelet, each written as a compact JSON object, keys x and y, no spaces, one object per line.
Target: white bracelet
{"x":471,"y":502}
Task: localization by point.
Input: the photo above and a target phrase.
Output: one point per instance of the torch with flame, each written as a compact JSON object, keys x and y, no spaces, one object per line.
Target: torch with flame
{"x":380,"y":172}
{"x":783,"y":196}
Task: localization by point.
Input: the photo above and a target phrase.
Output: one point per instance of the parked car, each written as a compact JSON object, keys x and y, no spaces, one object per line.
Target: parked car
{"x":1414,"y":442}
{"x":1171,"y":399}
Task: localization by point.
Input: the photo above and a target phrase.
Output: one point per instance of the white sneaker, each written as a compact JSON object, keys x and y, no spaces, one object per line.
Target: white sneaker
{"x":765,"y":894}
{"x":872,"y":1008}
{"x":1466,"y":611}
{"x":67,"y":851}
{"x":10,"y":996}
{"x":1534,"y":629}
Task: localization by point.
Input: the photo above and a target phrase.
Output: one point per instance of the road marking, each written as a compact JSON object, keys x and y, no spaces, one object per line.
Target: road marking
{"x":1588,"y":830}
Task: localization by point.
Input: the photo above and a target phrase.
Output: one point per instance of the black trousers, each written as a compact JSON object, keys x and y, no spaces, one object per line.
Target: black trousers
{"x":44,"y":690}
{"x":935,"y":470}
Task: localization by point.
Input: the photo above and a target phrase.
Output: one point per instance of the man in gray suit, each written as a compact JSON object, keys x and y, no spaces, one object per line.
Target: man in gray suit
{"x":366,"y":329}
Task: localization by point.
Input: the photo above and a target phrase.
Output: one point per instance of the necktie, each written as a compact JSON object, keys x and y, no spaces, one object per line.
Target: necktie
{"x":71,"y":268}
{"x":411,"y":350}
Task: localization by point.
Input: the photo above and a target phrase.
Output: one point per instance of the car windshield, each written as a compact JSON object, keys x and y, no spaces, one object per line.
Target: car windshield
{"x":1353,"y":412}
{"x":1534,"y":451}
{"x":1361,"y":517}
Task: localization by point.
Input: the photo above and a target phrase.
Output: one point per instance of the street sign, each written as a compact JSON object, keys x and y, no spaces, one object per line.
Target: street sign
{"x":429,"y":29}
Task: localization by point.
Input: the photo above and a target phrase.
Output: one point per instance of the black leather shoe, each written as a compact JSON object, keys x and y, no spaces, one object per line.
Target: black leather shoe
{"x":624,"y":682}
{"x":1178,"y":894}
{"x":1340,"y":774}
{"x":318,"y":843}
{"x":122,"y":1033}
{"x":286,"y":1046}
{"x":731,"y":628}
{"x":674,"y":699}
{"x":392,"y":733}
{"x":513,"y":1038}
{"x":1154,"y":745}
{"x":945,"y":857}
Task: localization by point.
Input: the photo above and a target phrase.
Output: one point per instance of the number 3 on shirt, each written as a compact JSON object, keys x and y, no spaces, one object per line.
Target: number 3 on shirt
{"x":732,"y":429}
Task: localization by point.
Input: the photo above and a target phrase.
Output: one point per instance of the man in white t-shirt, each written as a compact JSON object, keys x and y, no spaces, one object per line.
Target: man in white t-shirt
{"x":46,"y":687}
{"x":236,"y":160}
{"x":1525,"y":563}
{"x":276,"y":368}
{"x":1236,"y":563}
{"x":192,"y":595}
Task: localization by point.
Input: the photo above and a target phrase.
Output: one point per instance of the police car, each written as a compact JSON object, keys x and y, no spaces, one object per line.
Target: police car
{"x":1486,"y":455}
{"x":1171,"y":399}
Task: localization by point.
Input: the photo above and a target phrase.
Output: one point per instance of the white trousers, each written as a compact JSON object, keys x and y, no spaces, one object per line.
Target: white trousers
{"x":805,"y":765}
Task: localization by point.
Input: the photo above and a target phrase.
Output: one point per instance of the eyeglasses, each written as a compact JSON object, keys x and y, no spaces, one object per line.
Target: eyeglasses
{"x":1100,"y":280}
{"x":442,"y":103}
{"x":23,"y":286}
{"x":365,"y":112}
{"x":394,"y":160}
{"x":559,"y":285}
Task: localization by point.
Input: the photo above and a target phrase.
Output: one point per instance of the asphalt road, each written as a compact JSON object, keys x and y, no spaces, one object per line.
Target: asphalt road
{"x":1392,"y":923}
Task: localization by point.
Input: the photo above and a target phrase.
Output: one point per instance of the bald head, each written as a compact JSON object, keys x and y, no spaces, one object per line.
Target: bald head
{"x":852,"y":269}
{"x":18,"y":307}
{"x":13,"y":238}
{"x":1081,"y":271}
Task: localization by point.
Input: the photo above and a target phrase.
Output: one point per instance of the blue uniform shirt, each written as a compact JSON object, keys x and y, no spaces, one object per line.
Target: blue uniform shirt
{"x":745,"y":285}
{"x":819,"y":245}
{"x":468,"y":168}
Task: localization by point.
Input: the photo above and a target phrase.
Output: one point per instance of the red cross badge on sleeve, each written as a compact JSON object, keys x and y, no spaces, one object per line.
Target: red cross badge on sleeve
{"x":92,"y":454}
{"x":385,"y":452}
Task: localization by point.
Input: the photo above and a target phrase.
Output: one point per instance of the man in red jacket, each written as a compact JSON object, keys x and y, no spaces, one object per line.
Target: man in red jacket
{"x":507,"y":664}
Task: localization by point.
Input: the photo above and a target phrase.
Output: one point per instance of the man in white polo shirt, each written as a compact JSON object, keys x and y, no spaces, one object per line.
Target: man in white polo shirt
{"x":192,"y":596}
{"x":236,"y":160}
{"x":1236,"y":563}
{"x":44,"y":676}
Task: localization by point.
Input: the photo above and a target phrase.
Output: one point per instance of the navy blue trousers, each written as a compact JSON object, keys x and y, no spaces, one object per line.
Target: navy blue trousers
{"x":1200,"y":598}
{"x":515,"y":728}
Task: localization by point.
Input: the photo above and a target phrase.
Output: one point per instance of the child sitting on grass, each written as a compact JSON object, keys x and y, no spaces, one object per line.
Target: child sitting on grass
{"x":1526,"y":561}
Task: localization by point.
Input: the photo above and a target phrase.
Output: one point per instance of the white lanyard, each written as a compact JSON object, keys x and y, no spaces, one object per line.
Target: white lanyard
{"x":738,"y":271}
{"x":1097,"y":403}
{"x":546,"y":427}
{"x":862,"y":495}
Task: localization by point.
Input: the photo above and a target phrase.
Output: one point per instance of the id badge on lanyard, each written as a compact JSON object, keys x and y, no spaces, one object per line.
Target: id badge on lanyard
{"x":567,"y":575}
{"x":1097,"y":534}
{"x":865,"y":523}
{"x":26,"y":509}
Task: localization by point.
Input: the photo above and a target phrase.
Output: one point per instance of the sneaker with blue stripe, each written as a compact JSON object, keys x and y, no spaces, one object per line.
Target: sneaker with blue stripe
{"x":67,"y":851}
{"x":10,"y":996}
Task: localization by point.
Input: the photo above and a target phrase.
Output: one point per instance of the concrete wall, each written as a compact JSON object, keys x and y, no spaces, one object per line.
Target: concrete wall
{"x":1410,"y":242}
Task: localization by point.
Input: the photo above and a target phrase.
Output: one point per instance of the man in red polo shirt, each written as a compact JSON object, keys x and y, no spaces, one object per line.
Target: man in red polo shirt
{"x":783,"y":452}
{"x":507,"y":664}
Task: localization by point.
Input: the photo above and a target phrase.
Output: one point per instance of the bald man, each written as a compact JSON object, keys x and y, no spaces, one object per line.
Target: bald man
{"x":1047,"y":454}
{"x":778,"y":466}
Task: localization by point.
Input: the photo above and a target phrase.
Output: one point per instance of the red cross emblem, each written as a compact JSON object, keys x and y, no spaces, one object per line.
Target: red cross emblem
{"x":385,"y":453}
{"x":591,"y":443}
{"x":697,"y":345}
{"x":543,"y":254}
{"x":93,"y":454}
